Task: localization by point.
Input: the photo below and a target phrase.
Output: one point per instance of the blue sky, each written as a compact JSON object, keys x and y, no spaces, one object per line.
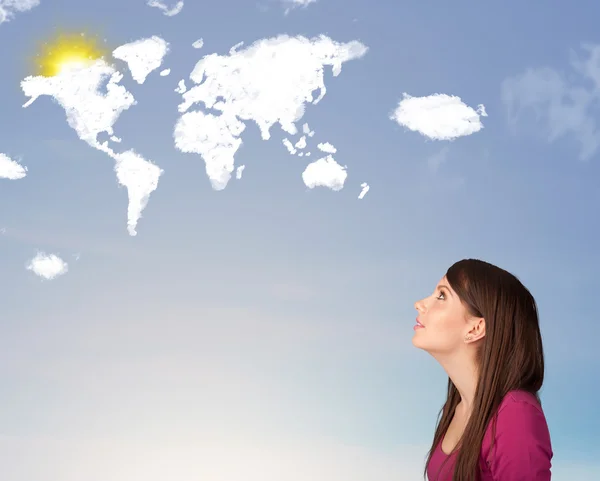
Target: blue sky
{"x":267,"y":326}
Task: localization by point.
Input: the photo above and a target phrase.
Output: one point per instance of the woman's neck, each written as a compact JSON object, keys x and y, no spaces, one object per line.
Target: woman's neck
{"x":462,"y":371}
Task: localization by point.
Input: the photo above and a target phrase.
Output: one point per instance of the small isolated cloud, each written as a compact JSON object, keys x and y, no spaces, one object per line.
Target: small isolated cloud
{"x":142,"y":56}
{"x":437,"y":159}
{"x":327,"y":148}
{"x":8,"y":8}
{"x":238,"y":172}
{"x":165,"y":72}
{"x":365,"y":189}
{"x":438,"y":116}
{"x":169,"y":12}
{"x":301,"y":144}
{"x":11,"y":169}
{"x":198,"y":43}
{"x":291,"y":71}
{"x":291,"y":4}
{"x":325,"y":172}
{"x":47,"y":266}
{"x":298,"y":146}
{"x":560,"y":105}
{"x":289,"y":146}
{"x":306,"y":130}
{"x":181,"y":88}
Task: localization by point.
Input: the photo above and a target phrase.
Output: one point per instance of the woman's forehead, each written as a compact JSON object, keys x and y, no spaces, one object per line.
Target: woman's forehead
{"x":444,"y":284}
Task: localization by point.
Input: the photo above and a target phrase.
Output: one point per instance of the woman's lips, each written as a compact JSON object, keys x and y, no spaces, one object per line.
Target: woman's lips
{"x":418,"y":325}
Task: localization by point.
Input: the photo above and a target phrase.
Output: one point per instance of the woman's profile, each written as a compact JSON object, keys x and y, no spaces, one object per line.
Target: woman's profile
{"x":481,"y":324}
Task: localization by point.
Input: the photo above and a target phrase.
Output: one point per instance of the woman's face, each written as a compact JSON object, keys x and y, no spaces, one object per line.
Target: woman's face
{"x":444,"y":321}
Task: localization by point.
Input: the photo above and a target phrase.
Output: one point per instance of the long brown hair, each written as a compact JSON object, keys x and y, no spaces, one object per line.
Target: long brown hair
{"x":509,"y":357}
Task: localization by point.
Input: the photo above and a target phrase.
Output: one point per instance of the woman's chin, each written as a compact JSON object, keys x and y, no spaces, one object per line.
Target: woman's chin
{"x":416,"y":341}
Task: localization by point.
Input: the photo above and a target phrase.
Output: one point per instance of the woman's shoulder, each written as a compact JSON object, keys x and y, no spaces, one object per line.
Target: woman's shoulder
{"x":519,"y":435}
{"x":519,"y":415}
{"x":519,"y":400}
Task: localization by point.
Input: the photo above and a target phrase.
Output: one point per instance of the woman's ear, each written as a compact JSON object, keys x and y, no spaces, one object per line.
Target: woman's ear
{"x":477,"y":329}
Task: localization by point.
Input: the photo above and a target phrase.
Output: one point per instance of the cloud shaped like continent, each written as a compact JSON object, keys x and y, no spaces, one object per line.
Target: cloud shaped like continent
{"x":142,"y":56}
{"x":91,"y":112}
{"x":269,"y":82}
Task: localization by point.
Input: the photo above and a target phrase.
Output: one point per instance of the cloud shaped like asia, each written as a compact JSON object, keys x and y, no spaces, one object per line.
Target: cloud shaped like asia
{"x":270,"y":82}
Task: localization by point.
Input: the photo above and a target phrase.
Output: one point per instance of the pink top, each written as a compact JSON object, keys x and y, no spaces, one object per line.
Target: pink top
{"x":522,"y":449}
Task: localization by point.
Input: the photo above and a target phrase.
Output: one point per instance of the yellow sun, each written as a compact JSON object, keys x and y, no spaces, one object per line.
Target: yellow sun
{"x":68,"y":51}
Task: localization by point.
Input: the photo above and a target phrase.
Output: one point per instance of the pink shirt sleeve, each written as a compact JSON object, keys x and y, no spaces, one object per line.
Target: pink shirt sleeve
{"x":522,"y":450}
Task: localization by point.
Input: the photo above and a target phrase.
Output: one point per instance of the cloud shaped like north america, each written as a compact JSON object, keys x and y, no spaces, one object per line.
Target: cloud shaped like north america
{"x":91,"y":111}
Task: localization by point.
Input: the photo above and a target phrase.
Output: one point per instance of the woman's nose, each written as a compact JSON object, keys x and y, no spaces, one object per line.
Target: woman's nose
{"x":419,"y":306}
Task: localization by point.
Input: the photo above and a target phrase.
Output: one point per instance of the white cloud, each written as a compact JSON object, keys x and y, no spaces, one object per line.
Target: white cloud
{"x":215,"y":138}
{"x":140,"y":177}
{"x":561,"y":103}
{"x":165,"y":72}
{"x":11,"y":169}
{"x":438,"y":116}
{"x":91,"y":112}
{"x":47,"y":266}
{"x":198,"y":43}
{"x":437,"y":159}
{"x":8,"y":8}
{"x":289,"y":146}
{"x":325,"y":172}
{"x":181,"y":88}
{"x":306,"y":130}
{"x":238,"y":173}
{"x":301,"y":144}
{"x":291,"y":4}
{"x":142,"y":56}
{"x":169,"y":12}
{"x":268,"y":82}
{"x":365,"y":189}
{"x":294,"y":148}
{"x":327,"y":148}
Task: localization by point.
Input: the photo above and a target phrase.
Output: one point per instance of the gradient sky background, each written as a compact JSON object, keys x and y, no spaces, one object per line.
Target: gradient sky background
{"x":263,"y":332}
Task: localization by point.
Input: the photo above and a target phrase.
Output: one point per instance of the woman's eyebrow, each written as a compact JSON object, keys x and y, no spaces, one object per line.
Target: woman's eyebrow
{"x":443,"y":286}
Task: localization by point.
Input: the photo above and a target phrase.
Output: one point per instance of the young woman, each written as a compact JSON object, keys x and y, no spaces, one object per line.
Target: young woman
{"x":481,"y":325}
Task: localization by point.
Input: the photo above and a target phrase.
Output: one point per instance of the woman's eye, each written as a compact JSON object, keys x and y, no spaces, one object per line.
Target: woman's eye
{"x":441,"y":297}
